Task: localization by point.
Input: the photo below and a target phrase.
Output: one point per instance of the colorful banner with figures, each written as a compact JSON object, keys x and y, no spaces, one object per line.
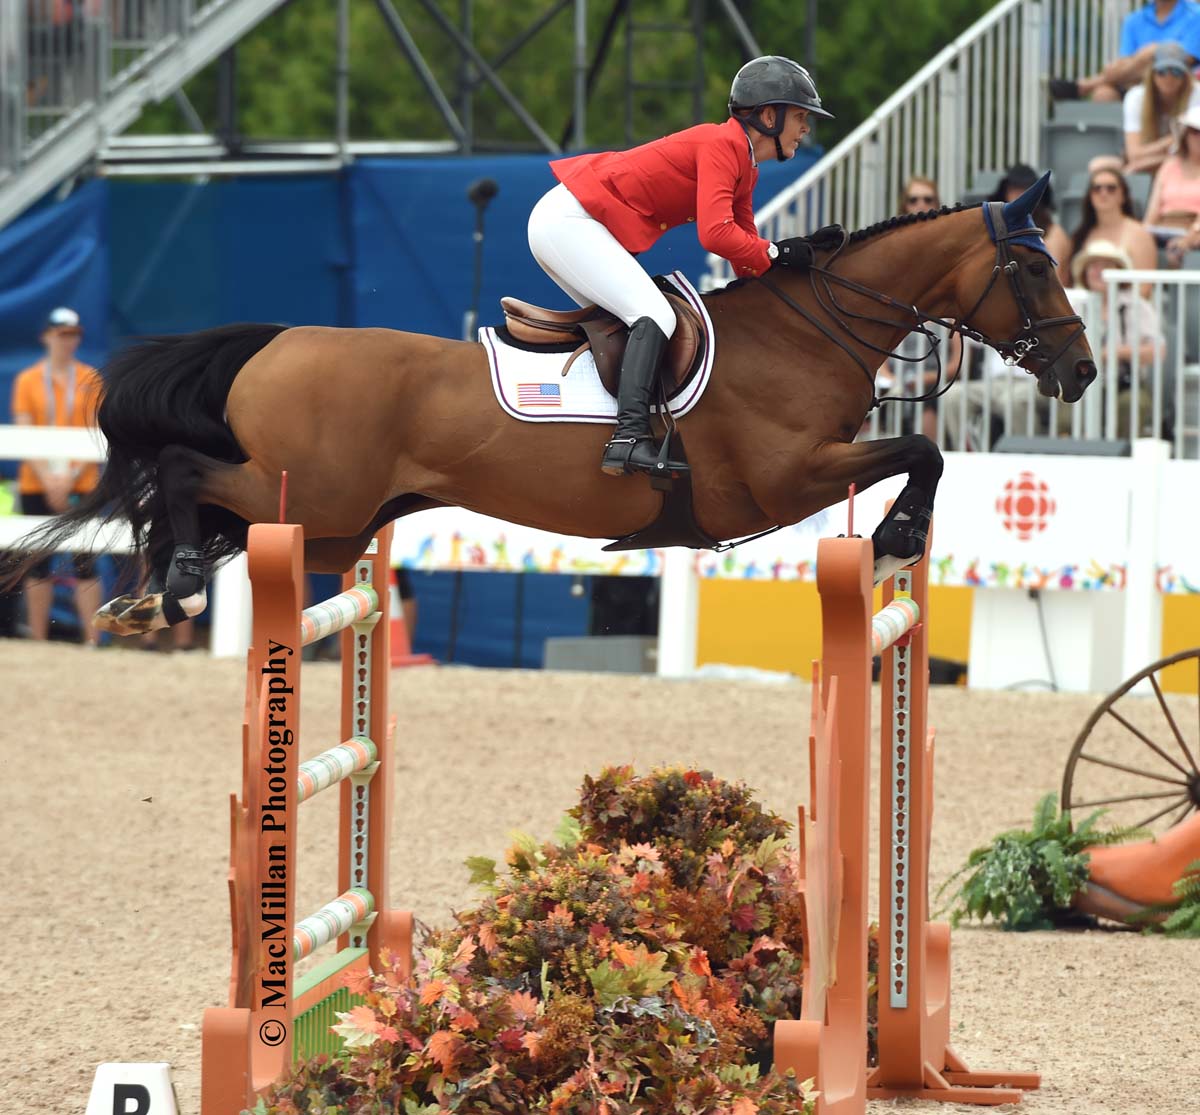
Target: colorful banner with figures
{"x":1001,"y":522}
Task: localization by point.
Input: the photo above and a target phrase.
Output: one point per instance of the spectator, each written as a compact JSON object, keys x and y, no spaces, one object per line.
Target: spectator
{"x":1017,"y":179}
{"x":1152,"y":108}
{"x":1143,"y":29}
{"x":1136,"y":319}
{"x":57,"y":391}
{"x":914,"y":376}
{"x":1173,"y":211}
{"x":408,"y":602}
{"x":1108,"y":215}
{"x":919,"y":194}
{"x":977,"y":411}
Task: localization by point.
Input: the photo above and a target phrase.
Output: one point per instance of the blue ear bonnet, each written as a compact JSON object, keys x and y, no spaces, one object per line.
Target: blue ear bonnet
{"x":1018,"y":215}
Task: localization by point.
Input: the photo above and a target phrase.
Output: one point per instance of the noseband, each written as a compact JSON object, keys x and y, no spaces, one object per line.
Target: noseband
{"x":916,"y":320}
{"x":1029,"y":338}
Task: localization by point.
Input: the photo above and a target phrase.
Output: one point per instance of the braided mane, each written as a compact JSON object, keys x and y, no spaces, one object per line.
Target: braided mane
{"x":905,"y":219}
{"x":867,"y":233}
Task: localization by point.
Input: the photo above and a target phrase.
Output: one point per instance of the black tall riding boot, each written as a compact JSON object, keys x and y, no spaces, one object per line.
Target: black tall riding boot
{"x":632,"y":447}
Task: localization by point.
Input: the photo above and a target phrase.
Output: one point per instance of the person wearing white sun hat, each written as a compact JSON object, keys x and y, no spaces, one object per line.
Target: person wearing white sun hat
{"x":1137,"y":322}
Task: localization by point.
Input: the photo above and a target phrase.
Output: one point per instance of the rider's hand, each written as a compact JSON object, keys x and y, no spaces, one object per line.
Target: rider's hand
{"x":796,"y":251}
{"x":827,"y":238}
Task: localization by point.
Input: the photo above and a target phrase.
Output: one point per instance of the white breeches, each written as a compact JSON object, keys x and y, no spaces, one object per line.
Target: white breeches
{"x":586,"y":260}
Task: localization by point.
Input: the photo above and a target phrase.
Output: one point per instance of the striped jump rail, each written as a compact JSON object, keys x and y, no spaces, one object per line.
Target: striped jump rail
{"x":337,"y":613}
{"x":274,"y":1015}
{"x":828,"y":1041}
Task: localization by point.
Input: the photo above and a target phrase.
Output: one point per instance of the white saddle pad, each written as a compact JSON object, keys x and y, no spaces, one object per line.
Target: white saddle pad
{"x":530,"y":385}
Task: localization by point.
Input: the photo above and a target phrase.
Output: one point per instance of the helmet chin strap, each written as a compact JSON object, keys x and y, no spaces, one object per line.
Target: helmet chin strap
{"x":774,"y":130}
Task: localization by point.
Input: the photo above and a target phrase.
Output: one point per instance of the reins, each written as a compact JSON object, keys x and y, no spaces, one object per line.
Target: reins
{"x":916,"y":320}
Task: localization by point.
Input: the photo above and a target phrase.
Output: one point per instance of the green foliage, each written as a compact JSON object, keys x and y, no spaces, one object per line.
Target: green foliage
{"x":580,"y":984}
{"x":1025,"y":880}
{"x":287,"y":68}
{"x":1184,"y":920}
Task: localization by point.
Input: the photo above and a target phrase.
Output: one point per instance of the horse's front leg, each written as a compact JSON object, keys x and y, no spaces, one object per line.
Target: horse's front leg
{"x":900,"y":539}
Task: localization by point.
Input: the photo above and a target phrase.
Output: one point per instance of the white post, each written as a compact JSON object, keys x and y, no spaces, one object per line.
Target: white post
{"x":678,"y":606}
{"x":1143,"y":603}
{"x":231,"y":610}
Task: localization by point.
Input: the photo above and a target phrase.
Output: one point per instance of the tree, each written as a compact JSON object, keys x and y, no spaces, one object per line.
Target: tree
{"x":286,"y":67}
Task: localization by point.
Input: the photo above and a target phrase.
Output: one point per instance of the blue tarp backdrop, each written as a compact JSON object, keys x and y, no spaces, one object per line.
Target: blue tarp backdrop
{"x":386,"y":242}
{"x":55,"y":255}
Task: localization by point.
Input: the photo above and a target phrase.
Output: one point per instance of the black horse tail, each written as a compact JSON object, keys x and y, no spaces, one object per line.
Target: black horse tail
{"x":160,"y":392}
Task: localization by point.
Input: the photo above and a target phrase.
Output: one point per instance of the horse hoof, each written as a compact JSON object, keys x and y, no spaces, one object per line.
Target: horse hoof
{"x":131,"y":615}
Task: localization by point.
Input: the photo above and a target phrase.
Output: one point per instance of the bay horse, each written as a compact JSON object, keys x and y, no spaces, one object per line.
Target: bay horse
{"x":372,"y":424}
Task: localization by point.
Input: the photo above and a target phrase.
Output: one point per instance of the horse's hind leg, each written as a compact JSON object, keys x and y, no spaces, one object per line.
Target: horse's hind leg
{"x":900,"y":538}
{"x":177,"y":593}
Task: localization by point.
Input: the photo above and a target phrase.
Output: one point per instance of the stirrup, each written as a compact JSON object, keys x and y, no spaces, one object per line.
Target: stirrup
{"x":618,"y":459}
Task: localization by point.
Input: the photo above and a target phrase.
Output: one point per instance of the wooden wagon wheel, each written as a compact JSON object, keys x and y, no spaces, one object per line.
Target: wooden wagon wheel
{"x":1138,"y":755}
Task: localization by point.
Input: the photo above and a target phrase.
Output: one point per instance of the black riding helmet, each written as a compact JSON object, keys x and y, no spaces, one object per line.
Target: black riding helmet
{"x":773,"y":80}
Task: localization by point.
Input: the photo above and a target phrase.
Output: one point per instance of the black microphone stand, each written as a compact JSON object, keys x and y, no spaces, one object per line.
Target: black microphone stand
{"x":479,"y":193}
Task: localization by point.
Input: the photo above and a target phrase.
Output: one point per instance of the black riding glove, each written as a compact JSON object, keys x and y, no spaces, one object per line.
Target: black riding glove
{"x":798,"y":251}
{"x":827,"y":238}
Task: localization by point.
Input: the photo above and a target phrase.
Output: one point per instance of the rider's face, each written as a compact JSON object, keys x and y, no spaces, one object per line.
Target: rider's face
{"x":795,"y":128}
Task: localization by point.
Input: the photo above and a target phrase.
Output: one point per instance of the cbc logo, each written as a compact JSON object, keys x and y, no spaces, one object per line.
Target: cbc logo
{"x":1026,"y":506}
{"x":272,"y":1032}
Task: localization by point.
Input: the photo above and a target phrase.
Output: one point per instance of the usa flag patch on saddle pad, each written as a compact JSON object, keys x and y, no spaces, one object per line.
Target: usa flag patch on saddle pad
{"x":530,"y":385}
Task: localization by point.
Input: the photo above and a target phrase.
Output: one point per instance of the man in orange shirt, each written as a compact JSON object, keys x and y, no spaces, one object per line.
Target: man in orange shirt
{"x":58,"y":391}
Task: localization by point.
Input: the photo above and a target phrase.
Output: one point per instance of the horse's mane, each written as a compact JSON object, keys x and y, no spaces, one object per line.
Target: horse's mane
{"x":905,"y":219}
{"x":871,"y":231}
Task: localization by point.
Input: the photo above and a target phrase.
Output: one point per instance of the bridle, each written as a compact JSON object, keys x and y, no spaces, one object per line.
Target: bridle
{"x":1027,"y":341}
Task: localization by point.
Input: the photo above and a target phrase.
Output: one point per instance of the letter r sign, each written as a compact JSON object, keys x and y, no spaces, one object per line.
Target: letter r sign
{"x":133,"y":1089}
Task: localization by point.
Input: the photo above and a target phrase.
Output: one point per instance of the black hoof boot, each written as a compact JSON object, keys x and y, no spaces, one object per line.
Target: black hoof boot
{"x":185,"y":573}
{"x":185,"y":594}
{"x":899,"y":541}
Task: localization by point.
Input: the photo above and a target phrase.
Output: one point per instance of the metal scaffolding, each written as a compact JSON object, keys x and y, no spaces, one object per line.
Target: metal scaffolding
{"x":74,"y":75}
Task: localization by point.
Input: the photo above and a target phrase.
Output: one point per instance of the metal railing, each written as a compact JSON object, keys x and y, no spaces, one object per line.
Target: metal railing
{"x":1151,"y":391}
{"x":59,"y":58}
{"x":1160,"y":396}
{"x":975,"y":109}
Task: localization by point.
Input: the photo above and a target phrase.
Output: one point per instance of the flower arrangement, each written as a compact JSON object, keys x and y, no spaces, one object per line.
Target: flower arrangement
{"x":633,"y":965}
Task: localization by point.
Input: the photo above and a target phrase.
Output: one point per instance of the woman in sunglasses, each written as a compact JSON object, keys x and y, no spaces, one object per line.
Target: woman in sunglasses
{"x":916,"y":375}
{"x":1108,"y":215}
{"x":1173,"y":210}
{"x":1153,"y":107}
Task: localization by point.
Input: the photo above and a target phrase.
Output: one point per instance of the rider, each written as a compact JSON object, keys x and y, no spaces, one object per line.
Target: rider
{"x":610,"y":206}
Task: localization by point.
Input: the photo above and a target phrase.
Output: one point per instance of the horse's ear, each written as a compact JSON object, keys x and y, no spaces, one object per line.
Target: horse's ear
{"x":1018,"y":212}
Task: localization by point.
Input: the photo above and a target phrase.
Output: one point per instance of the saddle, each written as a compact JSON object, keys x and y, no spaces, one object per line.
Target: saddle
{"x":595,"y":328}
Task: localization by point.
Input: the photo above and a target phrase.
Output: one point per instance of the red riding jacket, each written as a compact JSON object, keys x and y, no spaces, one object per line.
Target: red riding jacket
{"x":703,"y":174}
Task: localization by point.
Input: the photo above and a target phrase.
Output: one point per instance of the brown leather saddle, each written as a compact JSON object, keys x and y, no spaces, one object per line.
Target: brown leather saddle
{"x":576,"y":331}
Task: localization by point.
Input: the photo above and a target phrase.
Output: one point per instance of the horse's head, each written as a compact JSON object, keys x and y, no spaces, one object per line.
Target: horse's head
{"x":1018,"y":306}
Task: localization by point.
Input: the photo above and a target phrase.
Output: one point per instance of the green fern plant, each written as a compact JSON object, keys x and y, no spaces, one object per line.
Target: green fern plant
{"x":1185,"y":918}
{"x":1026,"y":880}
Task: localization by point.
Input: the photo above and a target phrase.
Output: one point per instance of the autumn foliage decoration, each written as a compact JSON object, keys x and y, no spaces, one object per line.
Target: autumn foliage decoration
{"x":632,"y":966}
